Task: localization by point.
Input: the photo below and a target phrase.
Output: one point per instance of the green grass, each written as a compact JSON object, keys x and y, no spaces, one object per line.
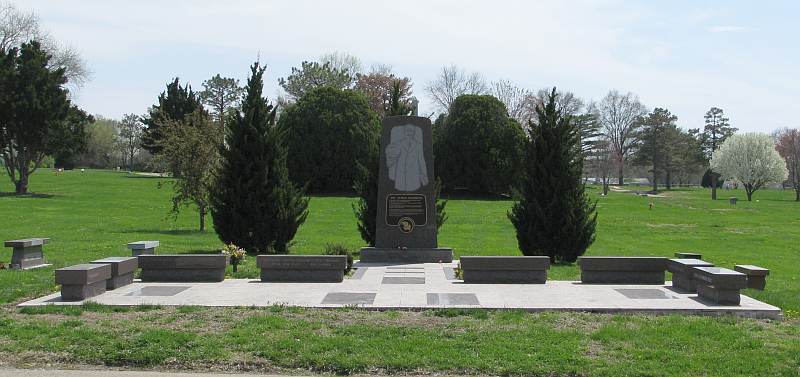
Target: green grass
{"x":358,"y":341}
{"x":94,"y":214}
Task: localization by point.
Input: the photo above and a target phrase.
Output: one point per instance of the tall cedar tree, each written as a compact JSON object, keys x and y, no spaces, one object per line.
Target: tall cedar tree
{"x":656,"y":142}
{"x":553,"y":216}
{"x":173,"y":104}
{"x":37,"y":118}
{"x":254,"y":204}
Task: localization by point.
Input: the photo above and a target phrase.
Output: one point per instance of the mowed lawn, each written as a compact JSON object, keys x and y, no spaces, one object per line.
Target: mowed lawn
{"x":93,"y":214}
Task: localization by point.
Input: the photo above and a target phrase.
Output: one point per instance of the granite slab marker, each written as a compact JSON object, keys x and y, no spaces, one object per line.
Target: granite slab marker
{"x":406,"y":221}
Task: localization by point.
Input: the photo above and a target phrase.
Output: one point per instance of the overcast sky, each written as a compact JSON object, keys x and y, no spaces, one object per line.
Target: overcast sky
{"x":683,"y":55}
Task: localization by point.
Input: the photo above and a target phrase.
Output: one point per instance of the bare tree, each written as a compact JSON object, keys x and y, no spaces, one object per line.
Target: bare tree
{"x":130,"y":138}
{"x":788,"y":145}
{"x":343,"y":62}
{"x":17,"y":27}
{"x":619,"y":116}
{"x":514,"y":98}
{"x":453,"y":82}
{"x":601,"y":161}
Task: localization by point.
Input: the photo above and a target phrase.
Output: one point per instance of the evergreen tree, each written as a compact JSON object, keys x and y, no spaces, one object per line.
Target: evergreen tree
{"x":254,"y":205}
{"x":553,"y":215}
{"x":716,"y":131}
{"x":656,"y":142}
{"x":173,"y":104}
{"x":37,"y":118}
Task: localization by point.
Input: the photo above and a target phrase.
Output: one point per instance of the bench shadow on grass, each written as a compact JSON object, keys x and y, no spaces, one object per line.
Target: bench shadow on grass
{"x":171,"y":232}
{"x":32,"y":195}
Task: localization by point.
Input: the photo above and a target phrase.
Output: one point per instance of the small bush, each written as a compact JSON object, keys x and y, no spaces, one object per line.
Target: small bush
{"x":339,"y":249}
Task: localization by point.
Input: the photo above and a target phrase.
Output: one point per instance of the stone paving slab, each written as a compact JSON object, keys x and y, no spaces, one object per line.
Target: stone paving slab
{"x":436,"y":292}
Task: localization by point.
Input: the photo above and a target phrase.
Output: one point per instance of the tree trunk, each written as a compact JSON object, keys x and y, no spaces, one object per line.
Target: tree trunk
{"x":669,"y":180}
{"x":655,"y":180}
{"x":797,"y":194}
{"x":620,"y":179}
{"x":21,"y":186}
{"x":749,"y":195}
{"x":713,"y":185}
{"x":202,"y":219}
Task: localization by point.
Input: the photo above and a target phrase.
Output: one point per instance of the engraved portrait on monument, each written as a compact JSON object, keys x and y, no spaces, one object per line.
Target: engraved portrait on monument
{"x":405,"y":159}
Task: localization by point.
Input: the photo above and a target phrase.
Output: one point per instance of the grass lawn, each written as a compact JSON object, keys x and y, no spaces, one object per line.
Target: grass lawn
{"x":94,"y":214}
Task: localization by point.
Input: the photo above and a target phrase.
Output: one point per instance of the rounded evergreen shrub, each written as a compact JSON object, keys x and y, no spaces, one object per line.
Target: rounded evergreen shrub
{"x":329,"y":132}
{"x":478,"y":147}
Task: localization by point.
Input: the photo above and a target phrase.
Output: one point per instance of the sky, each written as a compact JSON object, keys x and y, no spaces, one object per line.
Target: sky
{"x":686,"y":56}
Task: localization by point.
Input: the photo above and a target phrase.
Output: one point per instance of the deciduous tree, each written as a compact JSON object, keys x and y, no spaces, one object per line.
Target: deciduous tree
{"x":192,"y":147}
{"x":619,"y":115}
{"x":750,"y":159}
{"x":453,"y":82}
{"x":130,"y":138}
{"x":788,"y":147}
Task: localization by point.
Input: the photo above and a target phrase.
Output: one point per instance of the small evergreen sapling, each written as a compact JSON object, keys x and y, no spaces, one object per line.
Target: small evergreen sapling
{"x":553,"y":215}
{"x":254,"y":204}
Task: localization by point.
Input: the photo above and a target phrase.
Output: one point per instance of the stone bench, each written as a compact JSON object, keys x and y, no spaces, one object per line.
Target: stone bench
{"x":302,"y":268}
{"x":183,"y":267}
{"x":122,"y":269}
{"x":27,"y":253}
{"x":719,"y":285}
{"x":756,"y":276}
{"x":688,"y":255}
{"x":683,"y":272}
{"x":83,"y":281}
{"x":143,"y":248}
{"x":622,"y":270}
{"x":527,"y":269}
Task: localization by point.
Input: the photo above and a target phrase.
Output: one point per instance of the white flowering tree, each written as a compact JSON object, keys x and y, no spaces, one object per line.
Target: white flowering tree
{"x":750,"y":159}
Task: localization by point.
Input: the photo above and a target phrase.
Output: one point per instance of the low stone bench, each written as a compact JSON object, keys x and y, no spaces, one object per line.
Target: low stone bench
{"x":756,"y":276}
{"x":302,"y":268}
{"x":143,"y":248}
{"x":688,"y":255}
{"x":488,"y":270}
{"x":83,"y":281}
{"x":27,"y":253}
{"x":683,"y":272}
{"x":719,"y":285}
{"x":183,"y":267}
{"x":622,"y":270}
{"x":122,"y":269}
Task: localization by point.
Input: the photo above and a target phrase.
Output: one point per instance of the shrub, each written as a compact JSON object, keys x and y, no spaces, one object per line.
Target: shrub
{"x":329,"y":132}
{"x":339,"y":249}
{"x":478,"y":147}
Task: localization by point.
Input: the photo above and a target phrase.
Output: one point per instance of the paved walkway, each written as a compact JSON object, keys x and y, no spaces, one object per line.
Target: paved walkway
{"x":418,"y":286}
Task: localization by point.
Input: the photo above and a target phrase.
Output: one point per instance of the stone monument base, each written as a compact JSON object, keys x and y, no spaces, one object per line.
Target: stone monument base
{"x":385,"y":255}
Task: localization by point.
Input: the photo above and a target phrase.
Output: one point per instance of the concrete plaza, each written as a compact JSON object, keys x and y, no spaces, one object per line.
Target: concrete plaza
{"x":423,"y":286}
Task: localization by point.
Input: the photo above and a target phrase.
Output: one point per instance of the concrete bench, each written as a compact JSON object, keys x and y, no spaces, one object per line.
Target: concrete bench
{"x":622,"y":270}
{"x":122,"y":269}
{"x":27,"y":253}
{"x":719,"y":285}
{"x":183,"y":267}
{"x":143,"y":248}
{"x":756,"y":276}
{"x":488,"y":270}
{"x":683,"y":272}
{"x":83,"y":281}
{"x":688,"y":255}
{"x":302,"y":268}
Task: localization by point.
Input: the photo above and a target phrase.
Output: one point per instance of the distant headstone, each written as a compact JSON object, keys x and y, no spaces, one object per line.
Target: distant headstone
{"x":733,"y":201}
{"x":406,"y":223}
{"x":143,"y":248}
